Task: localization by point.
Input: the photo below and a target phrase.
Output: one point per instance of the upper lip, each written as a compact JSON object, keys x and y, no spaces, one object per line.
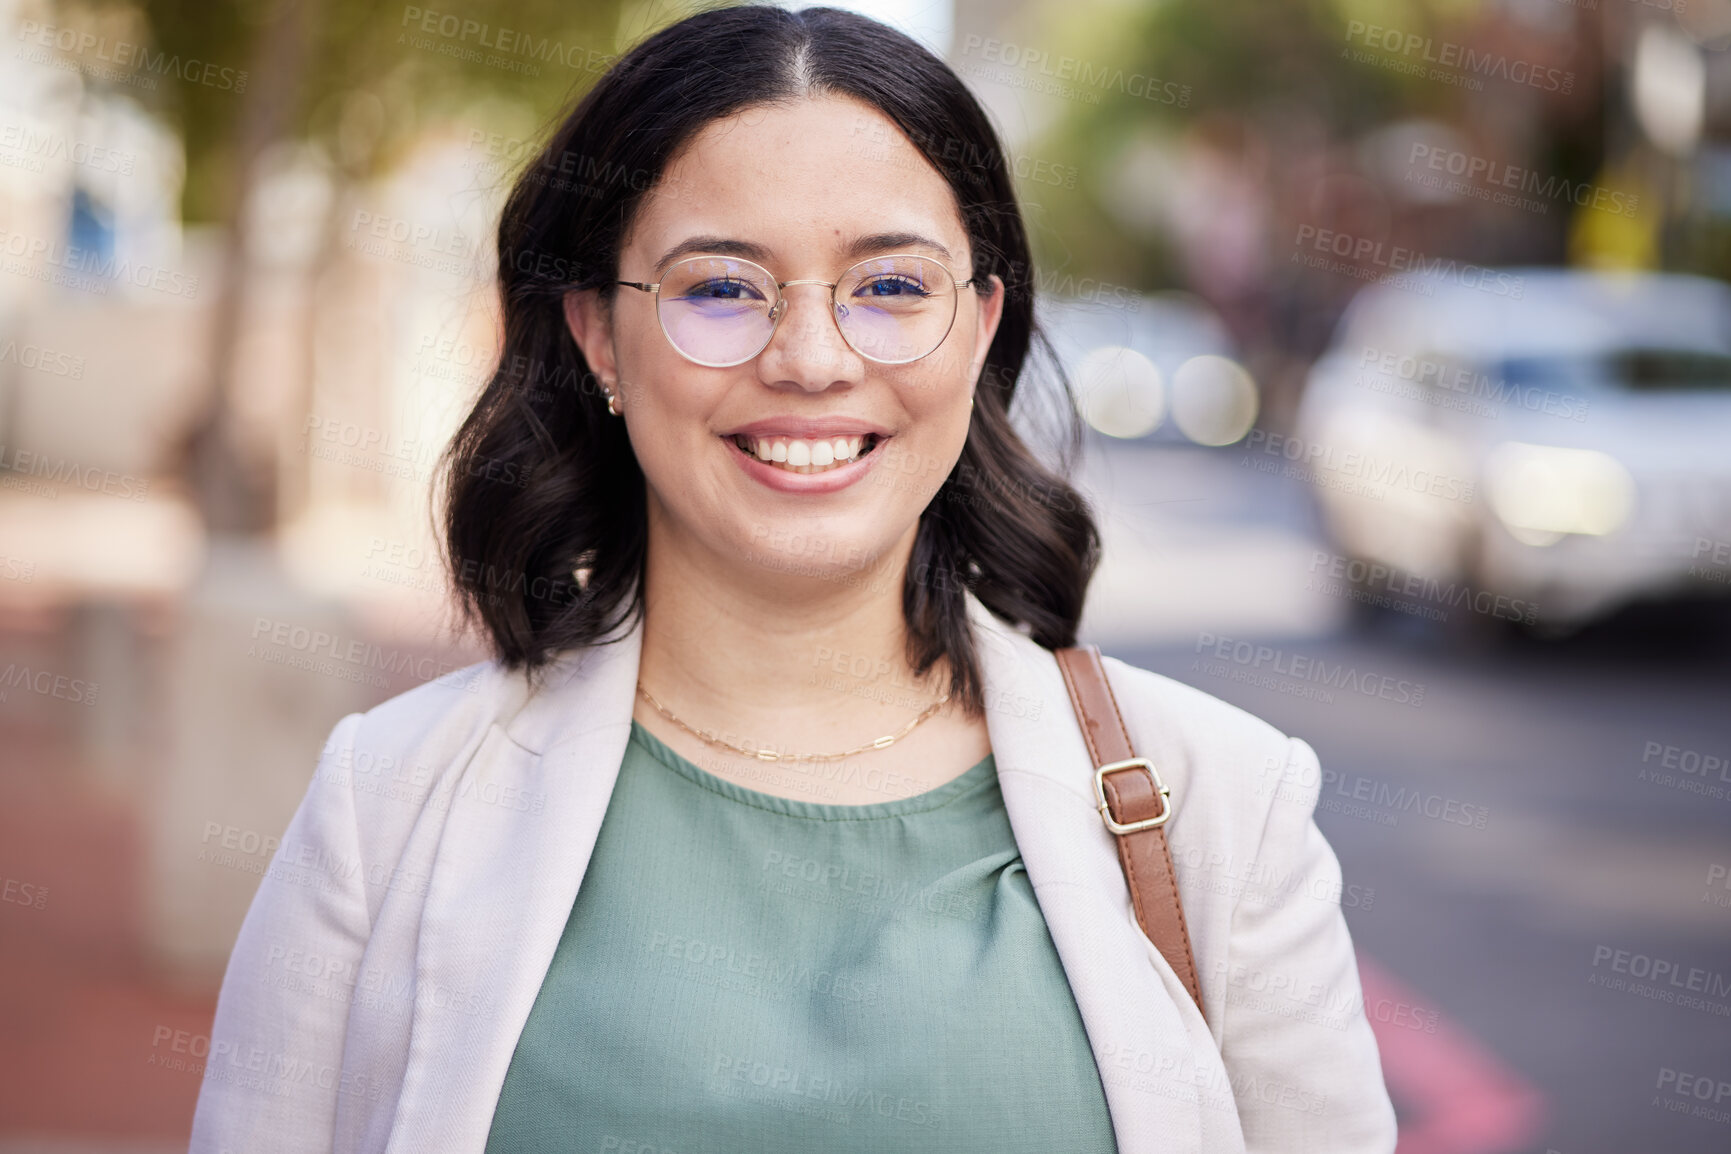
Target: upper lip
{"x":808,"y":428}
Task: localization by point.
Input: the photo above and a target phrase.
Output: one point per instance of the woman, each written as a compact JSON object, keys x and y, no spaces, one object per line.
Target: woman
{"x":742,"y":496}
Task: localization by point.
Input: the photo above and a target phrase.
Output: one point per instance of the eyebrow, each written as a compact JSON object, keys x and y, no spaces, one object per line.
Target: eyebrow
{"x":860,"y":248}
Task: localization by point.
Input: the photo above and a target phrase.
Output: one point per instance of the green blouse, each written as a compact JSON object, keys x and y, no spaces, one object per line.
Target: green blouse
{"x":744,"y":972}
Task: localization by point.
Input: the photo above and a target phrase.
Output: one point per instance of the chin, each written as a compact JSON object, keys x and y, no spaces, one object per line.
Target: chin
{"x":804,"y":548}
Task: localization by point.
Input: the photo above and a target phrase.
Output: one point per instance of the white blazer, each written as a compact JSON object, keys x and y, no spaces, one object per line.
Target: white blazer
{"x":393,"y":951}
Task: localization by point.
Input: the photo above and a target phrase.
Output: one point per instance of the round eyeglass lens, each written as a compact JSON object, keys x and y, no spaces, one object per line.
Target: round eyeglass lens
{"x":716,"y":310}
{"x":896,"y":309}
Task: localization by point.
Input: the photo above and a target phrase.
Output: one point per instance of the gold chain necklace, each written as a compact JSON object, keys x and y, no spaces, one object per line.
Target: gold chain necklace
{"x":771,"y":755}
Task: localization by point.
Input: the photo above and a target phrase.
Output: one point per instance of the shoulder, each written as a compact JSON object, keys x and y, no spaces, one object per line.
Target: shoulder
{"x":398,"y":757}
{"x":1202,"y":717}
{"x":440,"y":714}
{"x":1224,"y":764}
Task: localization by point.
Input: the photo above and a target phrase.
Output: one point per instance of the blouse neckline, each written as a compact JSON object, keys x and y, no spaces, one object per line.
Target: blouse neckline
{"x":977,"y":776}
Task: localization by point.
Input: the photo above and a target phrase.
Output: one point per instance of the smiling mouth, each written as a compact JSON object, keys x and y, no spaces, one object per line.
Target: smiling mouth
{"x":806,"y":455}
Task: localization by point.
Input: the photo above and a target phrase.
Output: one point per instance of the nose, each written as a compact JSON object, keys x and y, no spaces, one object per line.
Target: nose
{"x":807,"y":350}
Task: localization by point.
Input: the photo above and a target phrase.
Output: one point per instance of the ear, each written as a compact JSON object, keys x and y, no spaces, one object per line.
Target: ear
{"x":590,"y":322}
{"x":991,"y":306}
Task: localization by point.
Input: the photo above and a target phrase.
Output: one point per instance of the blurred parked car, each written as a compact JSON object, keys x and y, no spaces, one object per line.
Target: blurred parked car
{"x":1540,"y":445}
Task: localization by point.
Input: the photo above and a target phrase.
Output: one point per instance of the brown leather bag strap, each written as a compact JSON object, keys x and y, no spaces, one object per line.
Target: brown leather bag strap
{"x":1135,"y":804}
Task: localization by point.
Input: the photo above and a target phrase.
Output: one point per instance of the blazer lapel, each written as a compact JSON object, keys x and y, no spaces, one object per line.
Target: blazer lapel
{"x":523,"y":823}
{"x":1144,"y":1031}
{"x":522,"y":826}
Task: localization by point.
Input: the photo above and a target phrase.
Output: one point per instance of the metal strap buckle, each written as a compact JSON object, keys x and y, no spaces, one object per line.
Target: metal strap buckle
{"x":1105,"y":807}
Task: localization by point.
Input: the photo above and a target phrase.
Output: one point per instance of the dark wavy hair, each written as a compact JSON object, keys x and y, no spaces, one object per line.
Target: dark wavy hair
{"x":545,"y":511}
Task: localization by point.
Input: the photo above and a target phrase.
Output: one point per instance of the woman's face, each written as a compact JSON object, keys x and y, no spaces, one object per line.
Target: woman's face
{"x":805,"y":191}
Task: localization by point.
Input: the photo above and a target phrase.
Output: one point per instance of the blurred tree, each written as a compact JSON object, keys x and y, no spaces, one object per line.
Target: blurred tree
{"x":362,"y":81}
{"x":1282,"y":123}
{"x":1246,"y":61}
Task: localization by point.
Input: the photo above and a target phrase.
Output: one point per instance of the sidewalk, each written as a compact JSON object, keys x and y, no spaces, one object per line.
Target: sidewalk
{"x":79,"y":1008}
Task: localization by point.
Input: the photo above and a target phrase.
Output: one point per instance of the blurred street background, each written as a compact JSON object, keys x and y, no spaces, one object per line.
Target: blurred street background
{"x":1402,"y":335}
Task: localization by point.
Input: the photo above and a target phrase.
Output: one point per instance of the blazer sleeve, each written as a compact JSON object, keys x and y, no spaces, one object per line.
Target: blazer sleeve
{"x":1295,"y":1039}
{"x":273,"y":1071}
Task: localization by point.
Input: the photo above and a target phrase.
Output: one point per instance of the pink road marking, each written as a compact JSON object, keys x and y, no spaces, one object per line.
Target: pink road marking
{"x":1455,"y":1096}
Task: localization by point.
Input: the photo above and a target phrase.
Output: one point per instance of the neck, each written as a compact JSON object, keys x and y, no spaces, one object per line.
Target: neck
{"x":778,"y":658}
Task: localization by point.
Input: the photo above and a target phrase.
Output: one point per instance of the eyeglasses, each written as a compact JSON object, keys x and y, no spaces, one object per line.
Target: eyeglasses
{"x":722,"y":311}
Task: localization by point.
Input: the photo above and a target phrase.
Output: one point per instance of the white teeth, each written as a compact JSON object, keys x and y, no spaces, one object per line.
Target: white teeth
{"x":804,"y":456}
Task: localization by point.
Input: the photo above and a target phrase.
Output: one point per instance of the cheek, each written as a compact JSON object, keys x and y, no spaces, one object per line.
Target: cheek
{"x":645,"y":357}
{"x":916,"y":468}
{"x":940,"y":406}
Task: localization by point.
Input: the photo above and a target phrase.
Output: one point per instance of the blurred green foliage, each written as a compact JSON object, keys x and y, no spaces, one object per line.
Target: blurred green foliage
{"x":372,"y":76}
{"x":1285,"y":72}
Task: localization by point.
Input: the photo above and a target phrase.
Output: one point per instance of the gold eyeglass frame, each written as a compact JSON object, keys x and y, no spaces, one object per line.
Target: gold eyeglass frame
{"x":779,"y":308}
